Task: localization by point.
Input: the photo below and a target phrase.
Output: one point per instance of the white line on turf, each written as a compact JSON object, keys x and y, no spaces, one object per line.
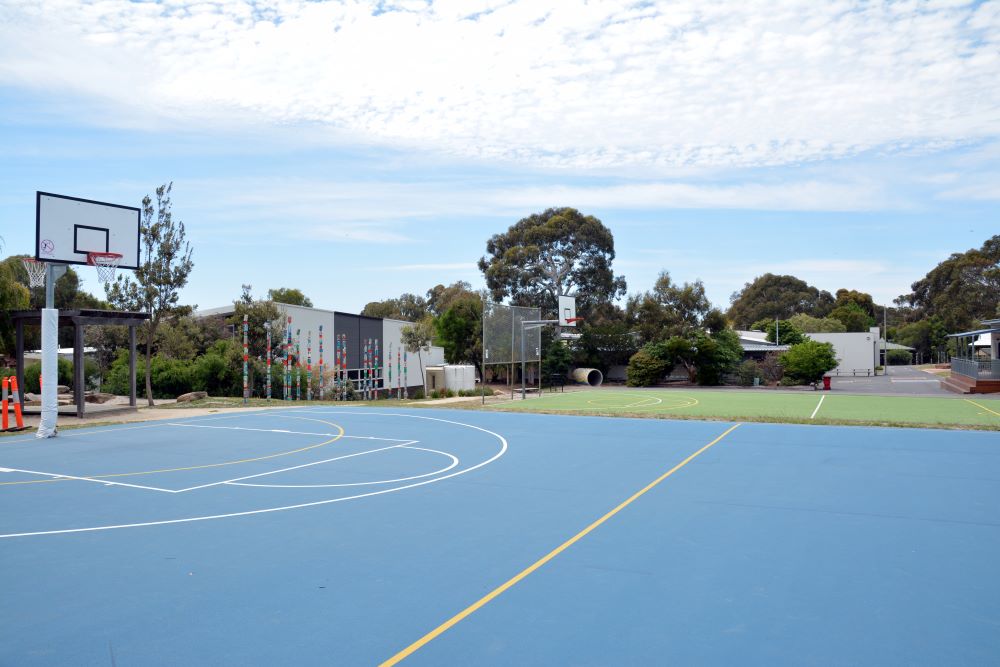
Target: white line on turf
{"x":283,"y":431}
{"x":817,"y":406}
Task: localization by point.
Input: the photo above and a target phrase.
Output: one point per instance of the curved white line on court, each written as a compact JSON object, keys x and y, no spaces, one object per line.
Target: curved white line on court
{"x":454,"y":462}
{"x":503,"y":450}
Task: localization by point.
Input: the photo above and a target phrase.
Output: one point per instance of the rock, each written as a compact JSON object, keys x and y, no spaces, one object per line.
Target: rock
{"x":192,"y":396}
{"x":62,"y":389}
{"x":98,"y":397}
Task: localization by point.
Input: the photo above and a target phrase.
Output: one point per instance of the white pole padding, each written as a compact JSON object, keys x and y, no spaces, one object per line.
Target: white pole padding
{"x":50,"y":373}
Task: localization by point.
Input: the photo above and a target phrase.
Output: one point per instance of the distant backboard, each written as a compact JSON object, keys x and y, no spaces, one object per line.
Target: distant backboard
{"x":567,"y":311}
{"x":67,"y":228}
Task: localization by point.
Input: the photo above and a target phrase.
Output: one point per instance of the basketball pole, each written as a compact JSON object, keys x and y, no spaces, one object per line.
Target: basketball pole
{"x":48,"y":421}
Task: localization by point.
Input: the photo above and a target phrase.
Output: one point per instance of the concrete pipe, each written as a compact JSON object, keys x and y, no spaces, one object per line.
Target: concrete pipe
{"x":590,"y":376}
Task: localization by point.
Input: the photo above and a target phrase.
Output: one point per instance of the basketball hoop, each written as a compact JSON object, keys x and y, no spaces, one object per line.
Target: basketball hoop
{"x":36,"y":271}
{"x":106,"y":263}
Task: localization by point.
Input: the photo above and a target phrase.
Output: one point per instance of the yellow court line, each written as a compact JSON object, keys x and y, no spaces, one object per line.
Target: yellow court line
{"x":983,"y":407}
{"x":482,"y":602}
{"x":207,"y":465}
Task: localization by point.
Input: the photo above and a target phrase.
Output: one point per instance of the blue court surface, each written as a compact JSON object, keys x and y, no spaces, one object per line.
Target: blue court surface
{"x":329,"y":536}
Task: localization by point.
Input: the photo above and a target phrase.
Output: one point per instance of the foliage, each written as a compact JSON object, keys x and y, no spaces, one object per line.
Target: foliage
{"x":716,"y":355}
{"x":898,"y":357}
{"x":558,"y":251}
{"x":408,"y":307}
{"x":13,"y":296}
{"x":853,"y":317}
{"x":924,"y":336}
{"x":604,"y":345}
{"x":862,"y":300}
{"x":184,"y":336}
{"x":290,"y":296}
{"x":668,"y":309}
{"x":556,"y":359}
{"x":772,"y":296}
{"x":441,"y":298}
{"x":790,"y":334}
{"x":417,"y":338}
{"x":770,"y":367}
{"x":809,"y":324}
{"x":748,"y":371}
{"x":460,"y":331}
{"x":808,"y":361}
{"x":164,"y":270}
{"x":645,"y":368}
{"x":33,"y":371}
{"x":959,"y":290}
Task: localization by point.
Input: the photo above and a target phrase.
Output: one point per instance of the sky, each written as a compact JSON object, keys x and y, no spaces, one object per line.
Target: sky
{"x":358,"y":150}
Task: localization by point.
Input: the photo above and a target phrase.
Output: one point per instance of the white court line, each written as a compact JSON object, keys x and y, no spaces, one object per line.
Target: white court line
{"x":454,"y":462}
{"x":57,"y":475}
{"x":286,"y":431}
{"x":817,"y":406}
{"x":302,"y":465}
{"x":285,"y":508}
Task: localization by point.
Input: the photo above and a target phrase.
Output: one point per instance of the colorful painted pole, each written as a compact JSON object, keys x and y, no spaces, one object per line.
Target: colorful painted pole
{"x":388,"y":386}
{"x":378,"y":369}
{"x":321,"y":383}
{"x":309,"y":366}
{"x":338,"y":369}
{"x":288,"y":361}
{"x":298,"y":365}
{"x":246,"y":386}
{"x":342,"y":371}
{"x":267,"y":329}
{"x":364,"y":368}
{"x":406,"y":377}
{"x":399,"y":374}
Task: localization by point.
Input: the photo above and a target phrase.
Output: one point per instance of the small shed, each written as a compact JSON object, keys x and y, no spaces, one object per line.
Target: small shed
{"x":452,"y":377}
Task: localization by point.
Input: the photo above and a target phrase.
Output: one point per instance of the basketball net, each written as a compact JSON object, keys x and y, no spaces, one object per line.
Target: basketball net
{"x":36,"y":271}
{"x":106,"y":264}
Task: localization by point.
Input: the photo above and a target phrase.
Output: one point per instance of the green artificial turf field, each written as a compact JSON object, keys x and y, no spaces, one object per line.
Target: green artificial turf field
{"x":765,"y":405}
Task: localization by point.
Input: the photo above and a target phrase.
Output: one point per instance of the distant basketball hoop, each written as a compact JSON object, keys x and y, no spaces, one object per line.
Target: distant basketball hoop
{"x":106,"y":264}
{"x":36,"y":271}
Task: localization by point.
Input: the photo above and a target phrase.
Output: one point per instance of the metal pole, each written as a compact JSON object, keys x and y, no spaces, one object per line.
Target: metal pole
{"x":524,"y":391}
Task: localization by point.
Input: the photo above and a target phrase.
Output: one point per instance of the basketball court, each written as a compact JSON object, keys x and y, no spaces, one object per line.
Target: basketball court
{"x":320,"y":536}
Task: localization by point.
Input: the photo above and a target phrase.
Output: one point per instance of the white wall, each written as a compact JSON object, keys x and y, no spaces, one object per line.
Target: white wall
{"x":392,"y":339}
{"x":854,"y":351}
{"x":460,"y":378}
{"x":307,"y":320}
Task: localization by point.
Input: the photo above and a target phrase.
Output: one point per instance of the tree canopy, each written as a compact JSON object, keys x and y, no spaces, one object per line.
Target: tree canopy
{"x":558,"y":251}
{"x":166,"y":265}
{"x":290,"y":295}
{"x":408,"y":307}
{"x":961,"y":289}
{"x":668,"y":309}
{"x":772,"y":296}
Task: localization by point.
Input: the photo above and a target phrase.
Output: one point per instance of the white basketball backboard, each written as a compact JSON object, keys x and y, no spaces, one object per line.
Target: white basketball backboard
{"x":567,"y":311}
{"x":67,"y":228}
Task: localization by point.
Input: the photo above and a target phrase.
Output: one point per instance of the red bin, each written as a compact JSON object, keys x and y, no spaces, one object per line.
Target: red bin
{"x":826,"y":382}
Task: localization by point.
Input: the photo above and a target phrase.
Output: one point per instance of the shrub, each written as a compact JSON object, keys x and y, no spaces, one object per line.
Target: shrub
{"x":771,"y":369}
{"x":644,"y":369}
{"x":31,"y":373}
{"x":898,"y":357}
{"x":807,"y":362}
{"x":748,"y":370}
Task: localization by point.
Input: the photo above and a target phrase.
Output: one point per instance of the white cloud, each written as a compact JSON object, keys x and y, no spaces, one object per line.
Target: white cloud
{"x":542,"y":82}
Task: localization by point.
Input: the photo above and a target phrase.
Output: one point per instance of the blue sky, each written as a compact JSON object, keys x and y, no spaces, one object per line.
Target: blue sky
{"x":358,"y":150}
